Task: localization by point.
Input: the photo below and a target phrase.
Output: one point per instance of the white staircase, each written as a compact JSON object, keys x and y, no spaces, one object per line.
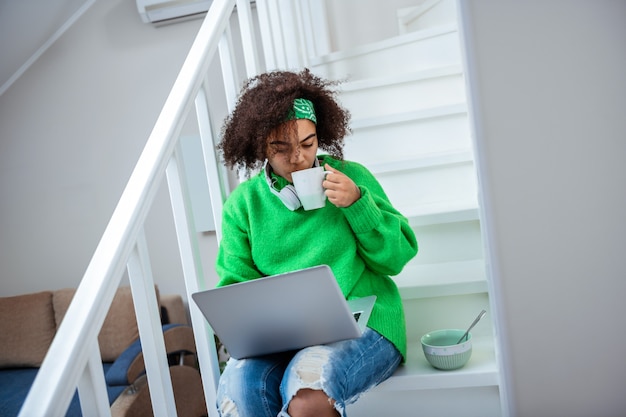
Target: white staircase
{"x":410,"y":127}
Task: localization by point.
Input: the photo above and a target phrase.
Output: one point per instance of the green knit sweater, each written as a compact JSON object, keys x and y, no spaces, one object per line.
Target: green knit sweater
{"x":363,"y":244}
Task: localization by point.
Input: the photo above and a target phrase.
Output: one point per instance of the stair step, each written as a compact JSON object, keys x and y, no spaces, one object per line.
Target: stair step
{"x":385,"y":44}
{"x":466,"y":402}
{"x":449,"y":242}
{"x":386,"y":80}
{"x":419,"y":187}
{"x":428,"y":48}
{"x":403,"y":117}
{"x":418,"y":374}
{"x":442,"y":279}
{"x":413,"y":183}
{"x":460,"y":205}
{"x":413,"y":91}
{"x":441,"y":212}
{"x":446,"y":132}
{"x":416,"y":388}
{"x":426,"y":314}
{"x":430,"y":13}
{"x":438,"y":159}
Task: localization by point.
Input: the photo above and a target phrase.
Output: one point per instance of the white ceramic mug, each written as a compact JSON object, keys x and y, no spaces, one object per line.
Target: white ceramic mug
{"x":308,"y":183}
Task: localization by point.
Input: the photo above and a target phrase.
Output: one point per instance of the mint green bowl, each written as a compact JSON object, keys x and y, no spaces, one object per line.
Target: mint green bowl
{"x":442,"y":351}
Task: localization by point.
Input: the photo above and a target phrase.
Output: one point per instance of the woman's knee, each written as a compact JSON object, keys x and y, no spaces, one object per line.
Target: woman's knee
{"x":312,"y":403}
{"x":250,"y":387}
{"x":229,"y":394}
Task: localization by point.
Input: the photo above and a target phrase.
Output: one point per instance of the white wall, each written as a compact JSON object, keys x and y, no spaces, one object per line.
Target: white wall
{"x":71,"y":131}
{"x":548,"y":80}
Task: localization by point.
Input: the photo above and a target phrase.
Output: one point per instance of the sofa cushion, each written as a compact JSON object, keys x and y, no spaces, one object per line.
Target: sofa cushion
{"x":14,"y":385}
{"x":173,"y":309}
{"x":27,"y":328}
{"x":119,"y":329}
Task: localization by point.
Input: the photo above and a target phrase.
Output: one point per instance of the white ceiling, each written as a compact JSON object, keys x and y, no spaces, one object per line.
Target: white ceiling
{"x":27,"y":28}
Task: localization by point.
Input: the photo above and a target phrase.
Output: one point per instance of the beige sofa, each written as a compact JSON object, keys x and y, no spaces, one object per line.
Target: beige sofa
{"x":29,"y":322}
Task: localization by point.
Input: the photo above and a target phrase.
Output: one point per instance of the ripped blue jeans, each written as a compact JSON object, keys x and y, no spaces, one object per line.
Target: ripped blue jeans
{"x":263,"y":386}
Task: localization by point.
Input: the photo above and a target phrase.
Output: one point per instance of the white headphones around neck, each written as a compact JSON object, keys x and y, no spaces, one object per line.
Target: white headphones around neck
{"x":288,"y":194}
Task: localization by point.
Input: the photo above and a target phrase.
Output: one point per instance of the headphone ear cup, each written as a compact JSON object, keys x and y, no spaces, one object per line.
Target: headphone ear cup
{"x":289,"y":197}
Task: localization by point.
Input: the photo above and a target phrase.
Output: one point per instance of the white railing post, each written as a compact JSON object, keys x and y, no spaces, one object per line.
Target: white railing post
{"x":92,"y":390}
{"x":276,"y":30}
{"x":248,"y":39}
{"x":315,"y":27}
{"x":307,"y":28}
{"x":301,"y":20}
{"x":150,"y":330}
{"x":229,"y":73}
{"x":192,"y":271}
{"x":265,"y":28}
{"x":229,"y":68}
{"x":290,"y":34}
{"x":216,"y":177}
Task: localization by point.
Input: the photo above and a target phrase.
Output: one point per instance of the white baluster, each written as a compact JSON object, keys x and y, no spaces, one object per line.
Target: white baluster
{"x":265,"y":27}
{"x":192,"y":271}
{"x":150,"y":330}
{"x":92,"y":390}
{"x":248,"y":39}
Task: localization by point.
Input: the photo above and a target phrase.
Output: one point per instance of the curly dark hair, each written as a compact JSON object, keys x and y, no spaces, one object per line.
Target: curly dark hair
{"x":264,"y":105}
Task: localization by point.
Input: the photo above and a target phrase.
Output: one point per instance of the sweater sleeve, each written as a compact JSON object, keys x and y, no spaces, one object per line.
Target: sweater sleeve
{"x":385,"y":239}
{"x":234,"y":258}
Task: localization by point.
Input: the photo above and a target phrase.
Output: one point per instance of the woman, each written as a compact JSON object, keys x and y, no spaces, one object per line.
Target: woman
{"x":280,"y":121}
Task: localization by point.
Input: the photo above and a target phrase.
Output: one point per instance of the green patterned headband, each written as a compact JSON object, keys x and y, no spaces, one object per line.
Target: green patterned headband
{"x":302,"y":109}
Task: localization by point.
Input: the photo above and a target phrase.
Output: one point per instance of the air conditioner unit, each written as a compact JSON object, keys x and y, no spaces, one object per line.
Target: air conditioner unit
{"x":160,"y":12}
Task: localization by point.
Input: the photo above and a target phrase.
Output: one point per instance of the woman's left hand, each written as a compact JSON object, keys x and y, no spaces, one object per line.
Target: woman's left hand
{"x":340,"y":189}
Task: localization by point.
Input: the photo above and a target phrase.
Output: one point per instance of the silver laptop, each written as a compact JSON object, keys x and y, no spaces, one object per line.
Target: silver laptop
{"x":283,"y":312}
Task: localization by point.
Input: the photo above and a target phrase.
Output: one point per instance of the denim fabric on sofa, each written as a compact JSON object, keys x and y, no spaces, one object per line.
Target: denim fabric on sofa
{"x":15,"y":383}
{"x":29,"y":322}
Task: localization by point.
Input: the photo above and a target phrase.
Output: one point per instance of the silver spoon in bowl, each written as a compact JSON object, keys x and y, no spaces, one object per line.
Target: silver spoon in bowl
{"x":480,"y":316}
